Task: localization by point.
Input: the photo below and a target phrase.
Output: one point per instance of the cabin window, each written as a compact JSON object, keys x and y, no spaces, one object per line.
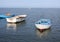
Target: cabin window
{"x":43,"y":21}
{"x":39,"y":22}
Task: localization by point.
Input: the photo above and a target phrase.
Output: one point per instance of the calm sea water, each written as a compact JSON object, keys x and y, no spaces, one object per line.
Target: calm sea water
{"x":26,"y":31}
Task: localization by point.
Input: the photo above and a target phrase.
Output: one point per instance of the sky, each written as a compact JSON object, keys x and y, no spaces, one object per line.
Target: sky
{"x":29,"y":3}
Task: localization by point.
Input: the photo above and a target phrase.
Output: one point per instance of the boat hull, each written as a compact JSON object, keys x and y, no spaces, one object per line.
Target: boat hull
{"x":4,"y":16}
{"x":40,"y":26}
{"x":14,"y":20}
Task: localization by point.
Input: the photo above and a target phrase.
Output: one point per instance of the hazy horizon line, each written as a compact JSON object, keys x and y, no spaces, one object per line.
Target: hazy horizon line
{"x":28,"y":7}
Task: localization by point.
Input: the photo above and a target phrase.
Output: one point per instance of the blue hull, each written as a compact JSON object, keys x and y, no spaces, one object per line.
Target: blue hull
{"x":4,"y":16}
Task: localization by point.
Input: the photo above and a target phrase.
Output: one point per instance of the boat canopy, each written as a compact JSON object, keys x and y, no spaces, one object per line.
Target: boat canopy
{"x":44,"y":21}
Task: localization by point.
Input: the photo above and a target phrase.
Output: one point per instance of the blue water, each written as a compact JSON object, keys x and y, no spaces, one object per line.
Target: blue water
{"x":26,"y":31}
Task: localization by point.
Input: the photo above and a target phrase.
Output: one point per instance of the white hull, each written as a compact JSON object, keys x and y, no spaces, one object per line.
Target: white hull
{"x":16,"y":18}
{"x":40,"y":26}
{"x":13,"y":20}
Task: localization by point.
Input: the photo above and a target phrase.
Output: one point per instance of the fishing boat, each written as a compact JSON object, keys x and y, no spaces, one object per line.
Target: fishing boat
{"x":6,"y":16}
{"x":16,"y":19}
{"x":43,"y":24}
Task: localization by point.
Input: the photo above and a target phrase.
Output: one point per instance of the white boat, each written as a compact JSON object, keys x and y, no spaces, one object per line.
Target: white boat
{"x":43,"y":24}
{"x":15,"y":19}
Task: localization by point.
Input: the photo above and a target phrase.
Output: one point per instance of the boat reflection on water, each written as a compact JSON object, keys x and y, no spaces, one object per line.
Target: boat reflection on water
{"x":11,"y":26}
{"x":14,"y":26}
{"x":42,"y":33}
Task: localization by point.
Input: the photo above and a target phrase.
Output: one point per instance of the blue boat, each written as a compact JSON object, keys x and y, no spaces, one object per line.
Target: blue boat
{"x":5,"y":16}
{"x":43,"y":24}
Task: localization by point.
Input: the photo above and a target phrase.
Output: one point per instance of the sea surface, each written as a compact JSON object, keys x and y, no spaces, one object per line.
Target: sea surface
{"x":26,"y":31}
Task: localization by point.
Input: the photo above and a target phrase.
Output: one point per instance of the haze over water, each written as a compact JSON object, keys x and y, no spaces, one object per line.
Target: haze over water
{"x":26,"y":31}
